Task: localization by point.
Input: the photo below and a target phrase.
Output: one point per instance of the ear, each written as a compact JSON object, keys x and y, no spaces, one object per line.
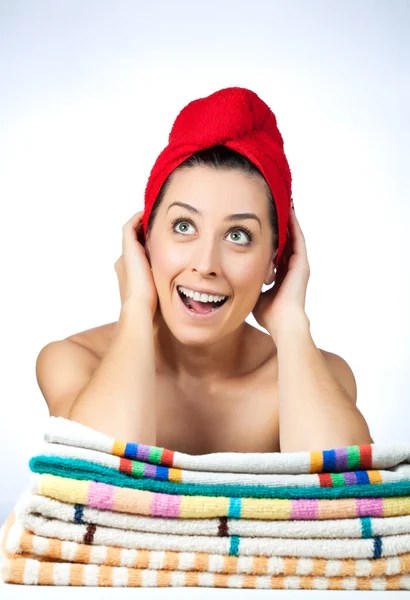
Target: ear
{"x":147,"y":251}
{"x":270,"y":274}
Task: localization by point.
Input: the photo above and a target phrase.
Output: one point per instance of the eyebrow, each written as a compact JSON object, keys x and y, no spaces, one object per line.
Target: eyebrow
{"x":234,"y":217}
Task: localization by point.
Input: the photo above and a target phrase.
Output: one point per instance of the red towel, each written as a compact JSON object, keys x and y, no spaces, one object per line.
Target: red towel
{"x":237,"y":118}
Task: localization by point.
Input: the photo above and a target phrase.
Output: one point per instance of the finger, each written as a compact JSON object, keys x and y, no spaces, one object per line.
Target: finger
{"x":118,"y":263}
{"x":134,"y":220}
{"x":287,"y":249}
{"x":281,"y":272}
{"x":132,"y":228}
{"x":299,"y":242}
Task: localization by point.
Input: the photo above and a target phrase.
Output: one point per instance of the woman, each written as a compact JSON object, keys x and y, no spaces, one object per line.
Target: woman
{"x":181,"y":368}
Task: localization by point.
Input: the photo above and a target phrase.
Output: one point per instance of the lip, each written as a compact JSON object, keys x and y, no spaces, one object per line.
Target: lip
{"x":194,"y":315}
{"x":209,"y":292}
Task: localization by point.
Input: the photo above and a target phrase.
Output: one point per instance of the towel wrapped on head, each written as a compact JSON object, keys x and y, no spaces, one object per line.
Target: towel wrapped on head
{"x":237,"y":118}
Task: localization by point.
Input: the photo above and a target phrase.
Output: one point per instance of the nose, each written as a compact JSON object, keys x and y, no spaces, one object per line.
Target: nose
{"x":205,"y":257}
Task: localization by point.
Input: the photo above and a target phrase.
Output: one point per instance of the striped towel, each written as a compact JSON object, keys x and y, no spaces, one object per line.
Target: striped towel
{"x":140,"y":469}
{"x":222,"y":526}
{"x":104,"y":512}
{"x":369,"y":456}
{"x":37,"y":560}
{"x":85,"y":470}
{"x":341,"y":547}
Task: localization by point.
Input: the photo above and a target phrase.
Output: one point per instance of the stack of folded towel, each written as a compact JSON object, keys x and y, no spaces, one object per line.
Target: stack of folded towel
{"x":101,"y":512}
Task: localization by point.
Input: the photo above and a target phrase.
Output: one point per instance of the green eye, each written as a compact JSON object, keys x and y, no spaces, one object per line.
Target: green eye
{"x":242,"y":229}
{"x":178,"y":222}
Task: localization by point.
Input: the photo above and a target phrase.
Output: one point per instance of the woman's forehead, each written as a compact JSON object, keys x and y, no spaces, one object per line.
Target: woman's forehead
{"x":216,"y":190}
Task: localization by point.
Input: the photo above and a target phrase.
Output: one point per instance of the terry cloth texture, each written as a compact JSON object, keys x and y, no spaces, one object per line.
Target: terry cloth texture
{"x":223,"y":526}
{"x":102,"y":512}
{"x":372,"y":456}
{"x":247,"y":546}
{"x":140,"y":470}
{"x":237,"y":118}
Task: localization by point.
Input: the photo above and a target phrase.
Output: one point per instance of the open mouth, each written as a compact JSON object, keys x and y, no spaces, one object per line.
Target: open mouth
{"x":198,"y":307}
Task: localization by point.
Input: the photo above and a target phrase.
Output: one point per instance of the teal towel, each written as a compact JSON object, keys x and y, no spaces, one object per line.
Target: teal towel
{"x":85,"y":470}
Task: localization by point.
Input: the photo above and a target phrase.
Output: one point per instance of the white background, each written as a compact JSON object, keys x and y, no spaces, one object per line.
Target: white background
{"x":89,"y":92}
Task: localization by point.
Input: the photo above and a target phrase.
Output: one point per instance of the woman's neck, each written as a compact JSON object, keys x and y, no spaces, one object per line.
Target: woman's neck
{"x":211,"y":361}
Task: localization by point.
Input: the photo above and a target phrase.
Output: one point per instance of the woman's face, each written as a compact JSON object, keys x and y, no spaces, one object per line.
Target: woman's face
{"x":207,"y":249}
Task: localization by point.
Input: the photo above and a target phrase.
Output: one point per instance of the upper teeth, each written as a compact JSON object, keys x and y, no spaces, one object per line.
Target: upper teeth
{"x":200,"y":297}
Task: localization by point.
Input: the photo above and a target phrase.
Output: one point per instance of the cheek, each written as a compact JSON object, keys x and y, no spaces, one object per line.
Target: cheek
{"x":167,"y":262}
{"x":169,"y":258}
{"x":245,"y":273}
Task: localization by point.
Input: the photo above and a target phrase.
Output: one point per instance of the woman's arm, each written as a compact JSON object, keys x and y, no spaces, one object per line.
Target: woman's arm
{"x":120,"y":398}
{"x":315,"y":411}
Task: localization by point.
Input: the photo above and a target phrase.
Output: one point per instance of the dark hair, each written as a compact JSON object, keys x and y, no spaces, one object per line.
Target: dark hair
{"x":220,"y":157}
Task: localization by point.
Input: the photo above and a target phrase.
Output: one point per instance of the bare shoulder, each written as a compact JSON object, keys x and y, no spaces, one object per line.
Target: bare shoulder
{"x":63,"y":368}
{"x":257,"y":336}
{"x":262,"y":345}
{"x":97,"y":339}
{"x":342,"y":372}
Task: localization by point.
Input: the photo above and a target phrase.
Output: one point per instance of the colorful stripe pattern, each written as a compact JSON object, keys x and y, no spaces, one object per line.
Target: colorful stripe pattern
{"x":120,"y":499}
{"x":361,"y":527}
{"x":341,"y":547}
{"x":138,"y":469}
{"x":141,"y":470}
{"x":350,"y":458}
{"x":86,"y":470}
{"x":77,"y":564}
{"x":203,"y":509}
